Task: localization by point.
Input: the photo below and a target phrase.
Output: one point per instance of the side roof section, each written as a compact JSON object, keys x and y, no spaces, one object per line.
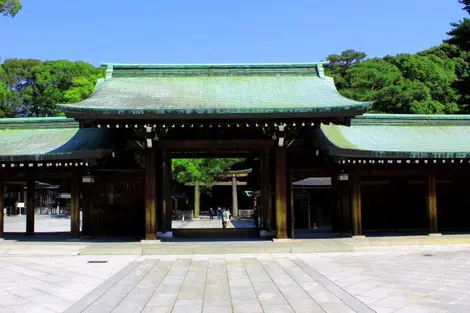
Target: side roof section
{"x":50,"y":139}
{"x":398,"y":136}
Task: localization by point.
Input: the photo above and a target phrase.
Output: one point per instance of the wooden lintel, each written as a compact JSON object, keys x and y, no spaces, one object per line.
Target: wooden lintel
{"x":216,"y":144}
{"x":221,"y":183}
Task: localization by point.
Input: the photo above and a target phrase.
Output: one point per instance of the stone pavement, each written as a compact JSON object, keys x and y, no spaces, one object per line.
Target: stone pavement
{"x":43,"y":223}
{"x":51,"y":284}
{"x":205,"y":222}
{"x":411,"y":279}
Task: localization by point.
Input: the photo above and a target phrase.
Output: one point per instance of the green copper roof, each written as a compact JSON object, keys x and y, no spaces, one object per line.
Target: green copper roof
{"x":399,"y":136}
{"x":42,"y":139}
{"x":222,"y":90}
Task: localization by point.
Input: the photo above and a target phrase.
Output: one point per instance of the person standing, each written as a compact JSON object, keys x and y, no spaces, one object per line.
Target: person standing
{"x":224,"y":218}
{"x":211,"y":213}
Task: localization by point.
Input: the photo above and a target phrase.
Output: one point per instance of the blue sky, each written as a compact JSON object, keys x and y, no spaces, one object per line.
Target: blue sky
{"x":222,"y":31}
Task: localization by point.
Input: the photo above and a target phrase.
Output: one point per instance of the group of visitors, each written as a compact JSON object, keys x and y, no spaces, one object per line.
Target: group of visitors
{"x":222,"y":213}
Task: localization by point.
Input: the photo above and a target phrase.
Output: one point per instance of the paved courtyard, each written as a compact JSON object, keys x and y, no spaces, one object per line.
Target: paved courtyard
{"x":42,"y":223}
{"x":205,"y":222}
{"x":46,"y":223}
{"x":411,"y":279}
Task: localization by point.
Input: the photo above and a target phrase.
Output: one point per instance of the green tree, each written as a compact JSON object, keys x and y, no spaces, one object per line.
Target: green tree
{"x":18,"y":76}
{"x":460,"y":37}
{"x":10,"y":7}
{"x":5,"y":109}
{"x":62,"y":82}
{"x":340,"y":63}
{"x":366,"y":78}
{"x":36,"y":87}
{"x":203,"y":170}
{"x":407,"y":97}
{"x":435,"y":73}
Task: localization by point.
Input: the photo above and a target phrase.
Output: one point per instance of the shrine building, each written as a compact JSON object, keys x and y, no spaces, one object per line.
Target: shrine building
{"x":319,"y":160}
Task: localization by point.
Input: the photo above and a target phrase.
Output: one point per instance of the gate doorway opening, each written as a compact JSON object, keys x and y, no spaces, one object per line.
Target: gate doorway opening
{"x":40,"y":208}
{"x":215,"y":197}
{"x":315,"y":209}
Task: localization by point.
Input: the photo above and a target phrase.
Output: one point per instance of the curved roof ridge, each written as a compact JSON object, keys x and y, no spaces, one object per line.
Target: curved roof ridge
{"x":413,"y":119}
{"x":213,"y":65}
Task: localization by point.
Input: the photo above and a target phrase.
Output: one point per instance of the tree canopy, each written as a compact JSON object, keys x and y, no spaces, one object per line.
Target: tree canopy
{"x":405,"y":83}
{"x":10,"y":7}
{"x":202,"y":170}
{"x":434,"y":81}
{"x":30,"y":87}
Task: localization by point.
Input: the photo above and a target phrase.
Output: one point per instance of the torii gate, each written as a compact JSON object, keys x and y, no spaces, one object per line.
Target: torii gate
{"x":234,"y":183}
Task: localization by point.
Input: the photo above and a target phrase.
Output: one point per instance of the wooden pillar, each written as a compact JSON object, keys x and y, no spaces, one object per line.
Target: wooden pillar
{"x":30,"y":207}
{"x":2,"y":207}
{"x":309,"y":213}
{"x":265,"y":194}
{"x":87,"y":225}
{"x":432,"y":202}
{"x":75,"y":206}
{"x":356,"y":210}
{"x":281,"y":193}
{"x":291,"y":206}
{"x":197,"y":199}
{"x":159,"y":194}
{"x":150,"y":194}
{"x":234,"y":197}
{"x":166,"y":191}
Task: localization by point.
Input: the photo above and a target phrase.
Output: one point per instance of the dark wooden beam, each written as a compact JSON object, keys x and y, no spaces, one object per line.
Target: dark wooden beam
{"x":387,"y":172}
{"x":37,"y":176}
{"x":150,"y":194}
{"x":211,"y":154}
{"x":356,"y":205}
{"x":86,"y":213}
{"x":75,"y":206}
{"x":30,"y":207}
{"x":281,"y":193}
{"x":432,"y":202}
{"x":2,"y":206}
{"x":166,"y":191}
{"x":266,"y":203}
{"x":216,"y":144}
{"x":291,"y":206}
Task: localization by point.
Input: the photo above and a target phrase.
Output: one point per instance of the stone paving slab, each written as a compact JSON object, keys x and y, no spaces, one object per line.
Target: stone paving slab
{"x":421,"y":279}
{"x":46,"y":248}
{"x":43,"y":223}
{"x":205,"y":222}
{"x":52,"y":284}
{"x":376,"y":279}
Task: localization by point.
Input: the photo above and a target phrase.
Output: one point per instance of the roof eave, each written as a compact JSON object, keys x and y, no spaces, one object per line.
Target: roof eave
{"x":269,"y":113}
{"x":79,"y":155}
